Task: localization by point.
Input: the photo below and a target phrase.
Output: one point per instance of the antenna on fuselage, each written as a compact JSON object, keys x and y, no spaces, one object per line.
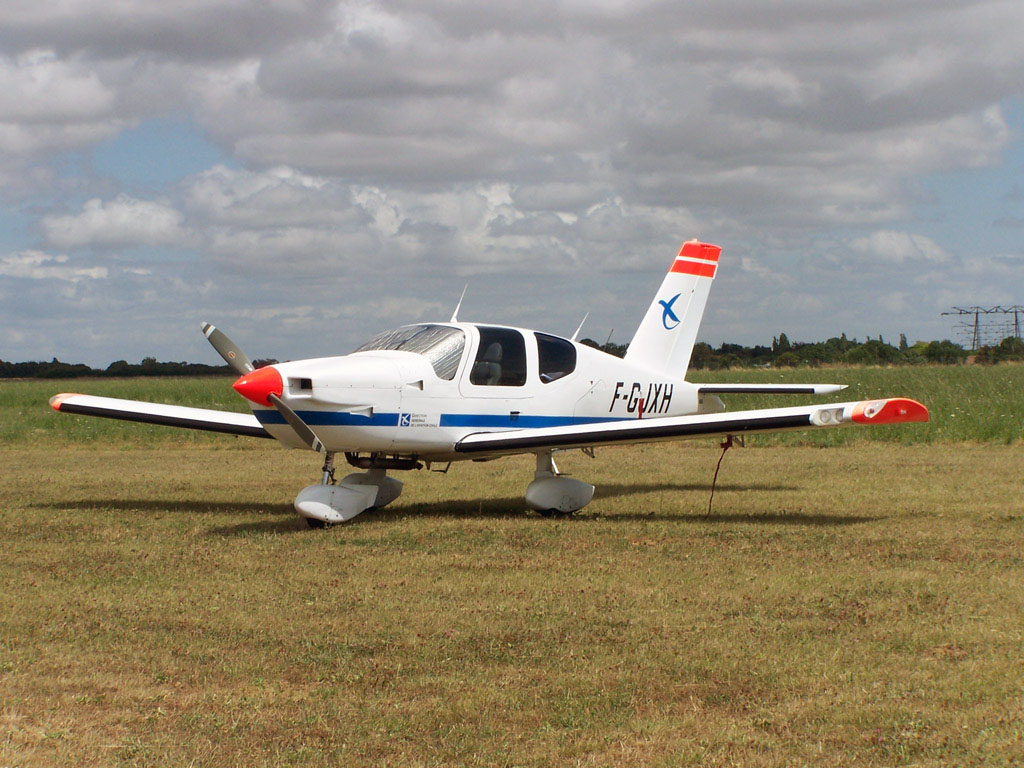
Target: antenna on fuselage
{"x":581,"y":327}
{"x":455,"y":314}
{"x":609,"y":339}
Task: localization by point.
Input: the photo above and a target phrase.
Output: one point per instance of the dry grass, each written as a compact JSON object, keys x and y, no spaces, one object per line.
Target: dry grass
{"x":852,"y":605}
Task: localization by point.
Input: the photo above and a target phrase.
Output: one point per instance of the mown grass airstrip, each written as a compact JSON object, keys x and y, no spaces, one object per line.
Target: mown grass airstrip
{"x":856,"y":604}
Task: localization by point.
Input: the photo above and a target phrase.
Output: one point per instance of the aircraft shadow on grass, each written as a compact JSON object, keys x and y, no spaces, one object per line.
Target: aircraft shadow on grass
{"x":611,"y":490}
{"x":513,"y":507}
{"x":167,"y":505}
{"x":281,"y":516}
{"x":479,"y":508}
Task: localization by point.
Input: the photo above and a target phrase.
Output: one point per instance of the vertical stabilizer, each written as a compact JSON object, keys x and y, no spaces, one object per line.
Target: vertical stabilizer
{"x":668,"y":331}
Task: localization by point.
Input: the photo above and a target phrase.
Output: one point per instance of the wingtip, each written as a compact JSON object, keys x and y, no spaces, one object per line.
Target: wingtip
{"x":56,"y":400}
{"x":894,"y":410}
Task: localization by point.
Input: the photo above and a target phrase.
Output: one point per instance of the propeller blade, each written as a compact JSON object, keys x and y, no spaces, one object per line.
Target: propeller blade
{"x":301,"y":428}
{"x":227,"y":349}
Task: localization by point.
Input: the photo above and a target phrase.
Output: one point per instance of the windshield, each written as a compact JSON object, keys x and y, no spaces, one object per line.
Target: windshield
{"x":441,"y":345}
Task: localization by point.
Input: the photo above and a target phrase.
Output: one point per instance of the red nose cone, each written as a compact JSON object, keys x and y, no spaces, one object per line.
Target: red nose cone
{"x":257,"y":385}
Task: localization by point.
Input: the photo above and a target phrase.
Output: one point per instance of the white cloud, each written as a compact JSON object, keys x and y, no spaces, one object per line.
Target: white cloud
{"x":901,"y":247}
{"x":36,"y":265}
{"x":206,"y":29}
{"x":124,"y":221}
{"x":805,"y":113}
{"x":765,"y":78}
{"x":49,"y":104}
{"x":39,"y":87}
{"x":279,"y":196}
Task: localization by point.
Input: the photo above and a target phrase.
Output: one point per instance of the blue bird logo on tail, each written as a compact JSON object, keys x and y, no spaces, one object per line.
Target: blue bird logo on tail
{"x":668,"y":314}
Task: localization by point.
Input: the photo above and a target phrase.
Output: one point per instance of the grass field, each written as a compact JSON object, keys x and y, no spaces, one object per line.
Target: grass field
{"x":852,"y":604}
{"x":967,"y":403}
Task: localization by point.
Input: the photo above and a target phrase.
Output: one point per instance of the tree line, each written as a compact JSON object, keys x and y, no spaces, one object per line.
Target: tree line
{"x":149,"y":366}
{"x":781,"y":354}
{"x":838,"y":350}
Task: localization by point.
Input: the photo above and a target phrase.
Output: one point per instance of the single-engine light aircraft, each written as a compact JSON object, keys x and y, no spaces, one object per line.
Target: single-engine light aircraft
{"x":435,"y":393}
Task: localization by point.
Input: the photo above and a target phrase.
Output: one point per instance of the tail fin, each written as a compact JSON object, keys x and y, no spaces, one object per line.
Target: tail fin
{"x":666,"y":335}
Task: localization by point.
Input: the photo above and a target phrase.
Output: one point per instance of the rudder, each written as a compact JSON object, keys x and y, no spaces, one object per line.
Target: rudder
{"x":664,"y":341}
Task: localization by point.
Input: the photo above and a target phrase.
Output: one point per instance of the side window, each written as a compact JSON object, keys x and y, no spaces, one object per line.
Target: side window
{"x":500,"y":359}
{"x":557,"y":357}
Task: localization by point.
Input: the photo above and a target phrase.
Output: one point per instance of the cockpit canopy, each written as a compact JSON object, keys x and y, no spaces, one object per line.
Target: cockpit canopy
{"x":501,"y":359}
{"x":440,"y":344}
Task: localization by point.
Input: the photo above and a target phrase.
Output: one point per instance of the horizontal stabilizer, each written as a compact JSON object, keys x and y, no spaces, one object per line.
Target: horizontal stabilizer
{"x":892,"y":411}
{"x":769,"y":389}
{"x":160,"y":413}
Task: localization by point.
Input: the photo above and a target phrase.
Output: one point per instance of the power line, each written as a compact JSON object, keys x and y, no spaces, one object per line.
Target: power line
{"x":979,"y":327}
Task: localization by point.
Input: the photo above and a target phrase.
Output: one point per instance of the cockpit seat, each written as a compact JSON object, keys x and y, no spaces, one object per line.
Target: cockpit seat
{"x":487,"y":370}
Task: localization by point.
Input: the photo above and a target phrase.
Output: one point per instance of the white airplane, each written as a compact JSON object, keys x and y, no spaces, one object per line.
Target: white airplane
{"x":435,"y":393}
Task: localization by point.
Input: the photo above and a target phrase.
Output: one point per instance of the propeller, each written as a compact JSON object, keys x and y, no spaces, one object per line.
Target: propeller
{"x":261,"y":385}
{"x":227,"y":349}
{"x":302,"y":429}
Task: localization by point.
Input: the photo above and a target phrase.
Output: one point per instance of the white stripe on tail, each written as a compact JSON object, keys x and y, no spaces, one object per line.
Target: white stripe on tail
{"x":668,"y":331}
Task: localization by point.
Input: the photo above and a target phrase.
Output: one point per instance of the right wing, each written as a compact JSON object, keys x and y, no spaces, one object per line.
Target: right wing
{"x":159,"y":413}
{"x":896,"y":410}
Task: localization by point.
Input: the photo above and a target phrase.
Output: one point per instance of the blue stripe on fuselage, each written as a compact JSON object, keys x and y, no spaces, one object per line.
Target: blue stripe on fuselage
{"x":332,"y":419}
{"x":491,"y":420}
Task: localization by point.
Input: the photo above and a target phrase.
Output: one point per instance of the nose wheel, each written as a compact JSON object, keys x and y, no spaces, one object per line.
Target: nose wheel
{"x":333,"y":501}
{"x":327,"y":479}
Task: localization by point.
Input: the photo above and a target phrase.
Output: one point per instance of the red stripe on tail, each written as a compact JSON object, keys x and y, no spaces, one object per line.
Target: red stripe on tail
{"x":698,"y":268}
{"x":694,"y":249}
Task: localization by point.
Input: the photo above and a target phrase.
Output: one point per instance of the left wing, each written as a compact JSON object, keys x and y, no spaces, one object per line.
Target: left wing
{"x":160,"y":413}
{"x":895,"y":410}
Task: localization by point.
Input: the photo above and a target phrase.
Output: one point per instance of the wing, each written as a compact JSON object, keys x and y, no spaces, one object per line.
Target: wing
{"x":769,"y":389}
{"x":159,"y":413}
{"x":891,"y":411}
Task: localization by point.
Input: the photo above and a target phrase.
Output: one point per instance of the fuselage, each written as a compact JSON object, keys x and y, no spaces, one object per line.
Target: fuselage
{"x":417,"y":390}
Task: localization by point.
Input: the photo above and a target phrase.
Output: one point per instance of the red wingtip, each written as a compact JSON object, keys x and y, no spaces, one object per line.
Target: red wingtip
{"x":56,"y":400}
{"x":895,"y":410}
{"x":258,"y":384}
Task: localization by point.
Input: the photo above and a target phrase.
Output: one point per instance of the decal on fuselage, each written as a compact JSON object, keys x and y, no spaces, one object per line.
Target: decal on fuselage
{"x":654,"y":398}
{"x":418,"y":420}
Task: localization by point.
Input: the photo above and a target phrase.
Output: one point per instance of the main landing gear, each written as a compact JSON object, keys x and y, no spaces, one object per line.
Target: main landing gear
{"x":335,"y":502}
{"x":553,"y":495}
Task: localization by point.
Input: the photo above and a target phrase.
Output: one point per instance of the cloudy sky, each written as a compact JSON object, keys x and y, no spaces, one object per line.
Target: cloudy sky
{"x":304,"y":173}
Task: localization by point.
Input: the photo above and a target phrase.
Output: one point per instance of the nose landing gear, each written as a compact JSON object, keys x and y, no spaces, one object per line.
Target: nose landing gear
{"x":330,"y":502}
